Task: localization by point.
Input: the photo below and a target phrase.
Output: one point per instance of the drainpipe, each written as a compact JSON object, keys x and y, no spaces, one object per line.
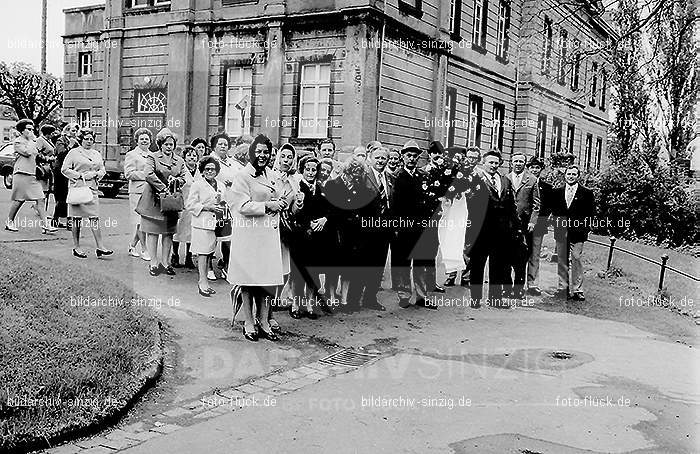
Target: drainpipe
{"x":381,"y":66}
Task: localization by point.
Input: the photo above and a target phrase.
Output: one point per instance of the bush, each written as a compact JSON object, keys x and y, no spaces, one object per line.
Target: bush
{"x":643,"y":203}
{"x":64,"y":367}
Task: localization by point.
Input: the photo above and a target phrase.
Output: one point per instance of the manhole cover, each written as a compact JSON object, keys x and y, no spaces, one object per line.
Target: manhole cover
{"x":348,"y":358}
{"x":561,"y":355}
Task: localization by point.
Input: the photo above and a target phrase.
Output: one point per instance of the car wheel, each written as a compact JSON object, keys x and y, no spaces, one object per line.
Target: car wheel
{"x":7,"y":179}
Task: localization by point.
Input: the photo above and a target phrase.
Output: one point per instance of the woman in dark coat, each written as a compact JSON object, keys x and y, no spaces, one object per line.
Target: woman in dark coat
{"x":64,"y":144}
{"x":350,"y":197}
{"x":312,"y":240}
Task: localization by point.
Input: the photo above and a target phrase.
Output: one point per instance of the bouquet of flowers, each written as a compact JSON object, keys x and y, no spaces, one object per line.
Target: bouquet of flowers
{"x":450,"y":180}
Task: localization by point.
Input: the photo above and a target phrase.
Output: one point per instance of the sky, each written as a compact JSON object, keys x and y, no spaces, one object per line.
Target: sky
{"x":20,"y":31}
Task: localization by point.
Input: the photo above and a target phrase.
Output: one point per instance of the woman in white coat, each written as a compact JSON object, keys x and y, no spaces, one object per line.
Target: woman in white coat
{"x":135,"y":163}
{"x":255,"y":264}
{"x":204,"y":201}
{"x":184,"y":224}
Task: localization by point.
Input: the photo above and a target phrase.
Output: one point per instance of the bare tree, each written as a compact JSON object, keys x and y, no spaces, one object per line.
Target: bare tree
{"x":31,"y":95}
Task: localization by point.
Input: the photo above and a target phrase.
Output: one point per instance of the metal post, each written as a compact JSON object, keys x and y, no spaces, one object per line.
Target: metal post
{"x":610,"y":253}
{"x":664,"y":259}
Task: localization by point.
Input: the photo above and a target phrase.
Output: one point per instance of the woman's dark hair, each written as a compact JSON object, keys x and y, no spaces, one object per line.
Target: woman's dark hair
{"x":163,"y":135}
{"x":139,"y":132}
{"x":189,"y":149}
{"x":197,"y":140}
{"x":307,"y":159}
{"x":208,"y":160}
{"x":260,"y":139}
{"x":22,"y":124}
{"x":47,"y":130}
{"x":85,"y":132}
{"x":215,"y":139}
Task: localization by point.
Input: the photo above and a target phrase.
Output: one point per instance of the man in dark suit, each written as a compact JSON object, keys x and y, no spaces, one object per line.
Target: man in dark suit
{"x":527,"y":207}
{"x":535,"y":167}
{"x":572,"y":210}
{"x":414,"y":249}
{"x":379,"y":235}
{"x":495,"y":224}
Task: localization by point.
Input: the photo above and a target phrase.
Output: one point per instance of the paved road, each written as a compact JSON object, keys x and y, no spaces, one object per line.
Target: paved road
{"x":454,"y":380}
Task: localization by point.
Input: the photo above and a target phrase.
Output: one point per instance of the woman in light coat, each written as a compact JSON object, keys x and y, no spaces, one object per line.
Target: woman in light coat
{"x":135,"y":163}
{"x":25,"y":186}
{"x":255,"y":263}
{"x":184,"y":224}
{"x":84,"y":165}
{"x":220,"y":145}
{"x":204,"y":202}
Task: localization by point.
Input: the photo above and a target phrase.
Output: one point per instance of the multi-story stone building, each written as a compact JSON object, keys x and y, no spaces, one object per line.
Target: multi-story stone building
{"x":493,"y":73}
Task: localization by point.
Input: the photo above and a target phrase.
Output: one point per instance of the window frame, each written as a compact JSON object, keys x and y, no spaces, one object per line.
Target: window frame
{"x":415,"y":9}
{"x":480,"y":30}
{"x":498,"y":128}
{"x":228,"y":85}
{"x":81,"y":122}
{"x":450,"y":113}
{"x":555,"y":141}
{"x":502,"y":34}
{"x":598,"y":152}
{"x":81,"y":71}
{"x":603,"y":89}
{"x":541,"y":136}
{"x":594,"y":85}
{"x":576,"y":66}
{"x":570,"y":137}
{"x":563,"y":50}
{"x":588,"y":150}
{"x":478,"y":102}
{"x":547,"y":38}
{"x":455,"y":20}
{"x":140,"y":91}
{"x":301,"y":84}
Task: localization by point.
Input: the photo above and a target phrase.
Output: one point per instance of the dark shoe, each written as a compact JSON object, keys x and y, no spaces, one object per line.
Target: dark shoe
{"x":438,"y":289}
{"x":252,"y":336}
{"x":220,"y":264}
{"x":404,"y":303}
{"x":101,"y":252}
{"x":154,"y":270}
{"x":269,"y":335}
{"x":170,"y":271}
{"x":204,"y":293}
{"x":326,"y":309}
{"x":578,"y":297}
{"x":189,"y":264}
{"x":175,"y":261}
{"x":476,"y":305}
{"x":274,"y":326}
{"x":80,"y":255}
{"x":534,"y":291}
{"x":312,"y":315}
{"x":294,"y":313}
{"x":450,"y":281}
{"x":464,"y":282}
{"x":420,"y":302}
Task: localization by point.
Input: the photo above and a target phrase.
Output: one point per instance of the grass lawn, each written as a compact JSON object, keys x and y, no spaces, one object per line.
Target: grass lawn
{"x":64,"y":367}
{"x":623,"y":294}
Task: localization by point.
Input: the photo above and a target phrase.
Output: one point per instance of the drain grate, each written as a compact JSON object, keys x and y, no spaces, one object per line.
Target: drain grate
{"x":348,"y":358}
{"x":561,"y":355}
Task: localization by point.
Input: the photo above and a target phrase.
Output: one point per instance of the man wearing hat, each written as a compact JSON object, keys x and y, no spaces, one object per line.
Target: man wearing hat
{"x":414,"y":248}
{"x":535,"y":166}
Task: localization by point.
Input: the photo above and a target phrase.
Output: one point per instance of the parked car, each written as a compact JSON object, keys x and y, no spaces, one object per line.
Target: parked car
{"x":7,"y":163}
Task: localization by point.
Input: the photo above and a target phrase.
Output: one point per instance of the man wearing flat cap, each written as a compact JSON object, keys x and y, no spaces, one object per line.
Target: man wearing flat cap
{"x":414,"y":248}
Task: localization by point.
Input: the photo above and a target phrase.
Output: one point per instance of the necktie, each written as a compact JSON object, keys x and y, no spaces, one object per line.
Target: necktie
{"x":495,"y":185}
{"x":569,"y":196}
{"x":382,"y":193}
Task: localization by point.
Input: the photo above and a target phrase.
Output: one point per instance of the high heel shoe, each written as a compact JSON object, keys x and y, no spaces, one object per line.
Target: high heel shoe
{"x":49,"y":229}
{"x":251,"y":336}
{"x":100,"y":252}
{"x":269,"y":335}
{"x":80,"y":255}
{"x":10,"y":225}
{"x":205,"y":293}
{"x":153,"y":270}
{"x":294,"y":313}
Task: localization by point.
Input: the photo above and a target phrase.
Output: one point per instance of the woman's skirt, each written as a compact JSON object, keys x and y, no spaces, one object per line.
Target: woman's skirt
{"x":26,"y":188}
{"x":203,"y":241}
{"x":86,"y":210}
{"x":166,"y":226}
{"x":134,"y":217}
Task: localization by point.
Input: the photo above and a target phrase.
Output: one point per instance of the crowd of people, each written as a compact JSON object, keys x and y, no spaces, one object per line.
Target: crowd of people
{"x":306,"y":232}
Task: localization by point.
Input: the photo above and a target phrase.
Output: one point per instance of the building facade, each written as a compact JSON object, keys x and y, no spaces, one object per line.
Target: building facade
{"x":518,"y":75}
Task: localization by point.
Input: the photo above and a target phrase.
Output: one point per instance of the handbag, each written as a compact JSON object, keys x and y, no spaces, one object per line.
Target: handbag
{"x":43,"y":172}
{"x":77,"y":195}
{"x":224,"y":226}
{"x":172,"y":200}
